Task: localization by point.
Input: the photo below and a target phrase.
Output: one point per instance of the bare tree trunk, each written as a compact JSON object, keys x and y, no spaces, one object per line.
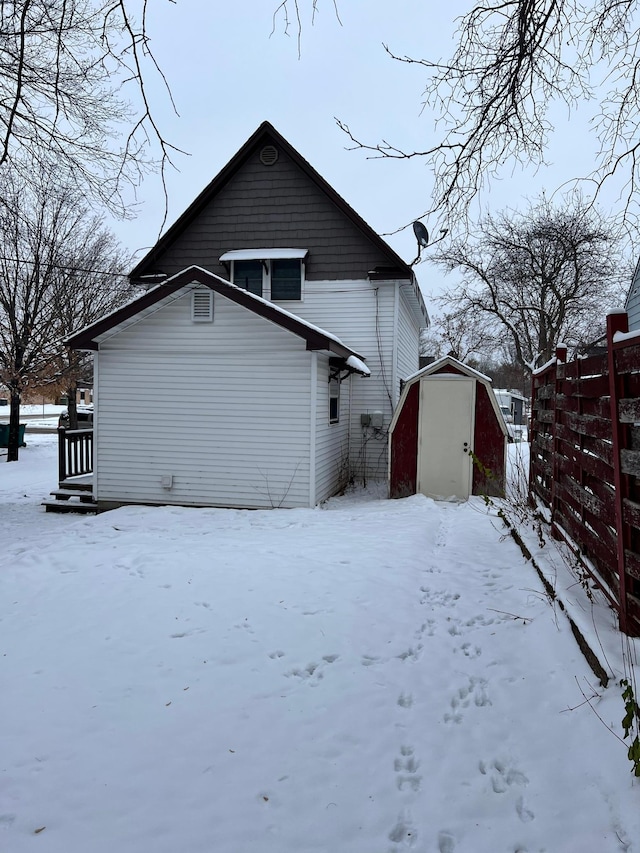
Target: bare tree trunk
{"x":14,"y":424}
{"x":72,"y":405}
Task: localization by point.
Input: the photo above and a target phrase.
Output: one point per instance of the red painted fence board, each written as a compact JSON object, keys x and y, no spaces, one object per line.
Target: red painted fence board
{"x":585,"y":462}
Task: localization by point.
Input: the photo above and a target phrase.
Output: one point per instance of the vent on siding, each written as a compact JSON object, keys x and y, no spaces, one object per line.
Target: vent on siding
{"x":268,"y":155}
{"x":202,"y":306}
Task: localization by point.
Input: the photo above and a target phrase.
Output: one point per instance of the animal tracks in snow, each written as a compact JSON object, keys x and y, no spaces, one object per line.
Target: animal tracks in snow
{"x":406,"y":767}
{"x":473,"y":692}
{"x":312,"y":672}
{"x":404,"y":832}
{"x":502,"y":778}
{"x":405,"y":700}
{"x":438,"y":598}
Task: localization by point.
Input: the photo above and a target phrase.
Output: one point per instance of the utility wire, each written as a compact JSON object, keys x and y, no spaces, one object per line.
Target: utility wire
{"x":64,"y":267}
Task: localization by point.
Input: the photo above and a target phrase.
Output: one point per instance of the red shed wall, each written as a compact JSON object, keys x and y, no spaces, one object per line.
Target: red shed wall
{"x":489,"y":448}
{"x":404,"y":447}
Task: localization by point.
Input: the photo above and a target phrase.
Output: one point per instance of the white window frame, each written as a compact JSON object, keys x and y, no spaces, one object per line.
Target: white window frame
{"x":266,"y":256}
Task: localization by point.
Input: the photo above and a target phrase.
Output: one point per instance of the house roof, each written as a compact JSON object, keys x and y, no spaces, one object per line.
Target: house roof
{"x":267,"y":134}
{"x":316,"y":338}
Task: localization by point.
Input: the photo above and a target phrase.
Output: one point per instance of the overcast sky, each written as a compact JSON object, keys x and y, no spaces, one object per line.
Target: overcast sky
{"x":228,"y":73}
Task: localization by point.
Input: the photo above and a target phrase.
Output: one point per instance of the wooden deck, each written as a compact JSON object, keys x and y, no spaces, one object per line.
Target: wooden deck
{"x":75,"y":473}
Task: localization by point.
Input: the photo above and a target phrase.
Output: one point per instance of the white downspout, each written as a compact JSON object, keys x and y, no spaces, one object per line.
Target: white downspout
{"x":96,"y":419}
{"x":395,"y":390}
{"x":313,"y":407}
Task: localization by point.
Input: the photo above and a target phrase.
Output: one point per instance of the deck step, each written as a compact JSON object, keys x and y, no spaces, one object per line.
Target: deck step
{"x":81,"y":506}
{"x":83,"y":483}
{"x":65,"y":494}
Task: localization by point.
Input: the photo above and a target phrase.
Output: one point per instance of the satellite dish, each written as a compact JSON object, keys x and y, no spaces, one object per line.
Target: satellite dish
{"x":422,"y":235}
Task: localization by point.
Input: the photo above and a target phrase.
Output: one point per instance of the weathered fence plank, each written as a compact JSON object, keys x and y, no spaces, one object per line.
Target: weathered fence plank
{"x":585,"y":462}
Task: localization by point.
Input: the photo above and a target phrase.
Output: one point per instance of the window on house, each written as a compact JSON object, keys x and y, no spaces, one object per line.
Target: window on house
{"x":248,"y":275}
{"x":334,"y":400}
{"x":276,"y":274}
{"x":286,"y":279}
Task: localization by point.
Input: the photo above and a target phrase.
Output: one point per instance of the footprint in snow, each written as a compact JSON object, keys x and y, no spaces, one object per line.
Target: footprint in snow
{"x":406,"y":766}
{"x":404,"y":832}
{"x":312,"y":672}
{"x":410,"y":654}
{"x":504,"y":777}
{"x":405,"y":700}
{"x":470,"y":651}
{"x":474,"y":692}
{"x":446,"y":842}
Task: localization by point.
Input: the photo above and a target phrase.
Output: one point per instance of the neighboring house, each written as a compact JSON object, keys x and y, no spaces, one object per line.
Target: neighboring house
{"x":263,"y":365}
{"x":632,"y":305}
{"x":512,"y":405}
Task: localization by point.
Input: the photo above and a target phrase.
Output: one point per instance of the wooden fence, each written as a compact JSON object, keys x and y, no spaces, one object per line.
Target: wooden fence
{"x":585,"y":461}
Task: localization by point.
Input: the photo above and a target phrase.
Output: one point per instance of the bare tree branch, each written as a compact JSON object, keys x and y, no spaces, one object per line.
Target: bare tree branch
{"x":60,"y":269}
{"x":537,"y":279}
{"x":72,"y":84}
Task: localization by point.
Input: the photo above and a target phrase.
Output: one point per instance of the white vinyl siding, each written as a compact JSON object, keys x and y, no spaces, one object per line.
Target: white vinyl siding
{"x":361,"y":314}
{"x":408,"y":340}
{"x":633,"y":301}
{"x":223,"y":408}
{"x":331,"y":439}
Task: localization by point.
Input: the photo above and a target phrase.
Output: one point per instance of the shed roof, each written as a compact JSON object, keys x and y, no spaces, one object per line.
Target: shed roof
{"x":438,"y":368}
{"x":315,"y":337}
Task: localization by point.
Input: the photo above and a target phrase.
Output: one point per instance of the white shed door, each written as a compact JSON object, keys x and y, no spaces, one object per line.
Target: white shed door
{"x":445,"y":435}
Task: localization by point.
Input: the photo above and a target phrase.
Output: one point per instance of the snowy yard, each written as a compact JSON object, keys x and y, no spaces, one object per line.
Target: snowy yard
{"x":372,"y":677}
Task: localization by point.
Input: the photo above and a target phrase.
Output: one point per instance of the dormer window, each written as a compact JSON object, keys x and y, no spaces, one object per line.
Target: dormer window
{"x":274,"y":274}
{"x":286,"y":279}
{"x":248,"y":275}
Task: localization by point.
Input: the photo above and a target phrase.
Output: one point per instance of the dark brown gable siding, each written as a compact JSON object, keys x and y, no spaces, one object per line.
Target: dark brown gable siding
{"x":272,"y":206}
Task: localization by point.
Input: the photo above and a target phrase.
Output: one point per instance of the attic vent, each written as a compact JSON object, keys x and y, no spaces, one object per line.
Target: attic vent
{"x":268,"y":155}
{"x":202,"y":306}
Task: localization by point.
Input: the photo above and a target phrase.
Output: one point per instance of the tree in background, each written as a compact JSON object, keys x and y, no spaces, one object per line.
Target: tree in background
{"x":67,"y":71}
{"x":90,"y":283}
{"x":532,"y":280}
{"x":490,"y":99}
{"x":47,"y":242}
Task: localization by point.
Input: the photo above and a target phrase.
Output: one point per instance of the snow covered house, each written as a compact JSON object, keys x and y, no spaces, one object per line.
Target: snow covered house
{"x":262,"y":366}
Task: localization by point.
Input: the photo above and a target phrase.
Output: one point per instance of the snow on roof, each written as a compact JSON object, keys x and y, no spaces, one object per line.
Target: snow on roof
{"x":263,"y":254}
{"x":358,"y":365}
{"x":247,"y":296}
{"x":448,"y":359}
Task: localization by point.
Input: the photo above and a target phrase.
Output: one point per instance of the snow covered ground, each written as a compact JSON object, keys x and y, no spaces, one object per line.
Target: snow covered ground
{"x":372,"y":677}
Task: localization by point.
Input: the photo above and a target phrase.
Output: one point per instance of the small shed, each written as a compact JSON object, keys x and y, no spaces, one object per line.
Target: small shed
{"x":447,"y":437}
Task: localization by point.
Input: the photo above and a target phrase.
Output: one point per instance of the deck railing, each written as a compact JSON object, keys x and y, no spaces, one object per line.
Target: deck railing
{"x":75,"y":452}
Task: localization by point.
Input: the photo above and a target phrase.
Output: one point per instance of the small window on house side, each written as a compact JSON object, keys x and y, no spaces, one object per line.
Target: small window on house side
{"x":286,"y":279}
{"x":334,"y":400}
{"x":248,"y":276}
{"x":202,"y":305}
